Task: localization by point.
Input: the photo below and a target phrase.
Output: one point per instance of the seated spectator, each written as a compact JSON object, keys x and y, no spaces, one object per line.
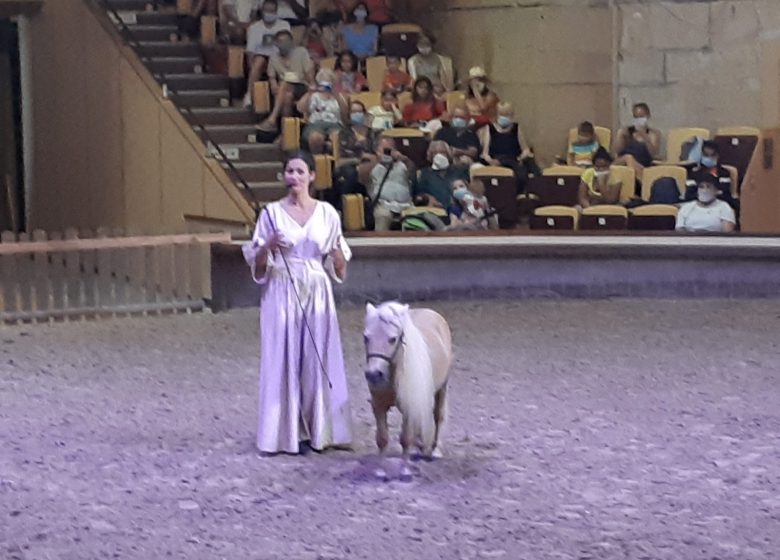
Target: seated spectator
{"x":290,"y":73}
{"x":481,"y":101}
{"x":358,"y":37}
{"x":710,"y":170}
{"x":437,"y":180}
{"x":396,"y":79}
{"x":235,"y":18}
{"x":380,"y":12}
{"x":583,"y":149}
{"x":316,"y":42}
{"x":328,"y":12}
{"x":357,"y":138}
{"x":348,"y":78}
{"x":390,"y":184}
{"x":638,"y":145}
{"x":324,"y":110}
{"x":596,"y":186}
{"x":386,"y":115}
{"x":427,"y":64}
{"x":463,"y":141}
{"x":189,"y":23}
{"x":424,"y":106}
{"x":472,"y":210}
{"x":707,"y":213}
{"x":261,"y":44}
{"x":503,"y":145}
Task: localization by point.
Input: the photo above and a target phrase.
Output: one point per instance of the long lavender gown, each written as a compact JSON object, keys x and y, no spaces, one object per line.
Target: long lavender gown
{"x":295,"y":402}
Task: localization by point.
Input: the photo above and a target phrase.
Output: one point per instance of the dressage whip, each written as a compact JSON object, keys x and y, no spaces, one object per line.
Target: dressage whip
{"x":300,"y":302}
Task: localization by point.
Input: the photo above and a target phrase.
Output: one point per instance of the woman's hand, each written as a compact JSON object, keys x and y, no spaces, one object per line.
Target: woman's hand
{"x":339,"y":263}
{"x":274,"y":242}
{"x":526,"y":154}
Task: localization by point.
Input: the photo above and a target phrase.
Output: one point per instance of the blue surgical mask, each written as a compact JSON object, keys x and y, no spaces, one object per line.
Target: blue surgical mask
{"x":358,"y":118}
{"x":458,"y":122}
{"x":709,"y":161}
{"x":270,"y":18}
{"x":325,"y":86}
{"x":504,"y":121}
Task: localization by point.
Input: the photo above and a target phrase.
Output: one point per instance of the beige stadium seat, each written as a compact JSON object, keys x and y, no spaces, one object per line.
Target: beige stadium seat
{"x":604,"y":217}
{"x":653,"y":217}
{"x":675,"y":140}
{"x":563,"y":170}
{"x":652,"y":174}
{"x":555,"y":217}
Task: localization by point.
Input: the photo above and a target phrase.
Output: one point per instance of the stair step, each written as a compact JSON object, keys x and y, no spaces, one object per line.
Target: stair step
{"x":254,"y":172}
{"x":176,"y":64}
{"x":157,"y":18}
{"x":151,"y":32}
{"x":202,"y":98}
{"x":167,"y":49}
{"x":260,"y":192}
{"x":219,"y":115}
{"x":230,"y":134}
{"x":254,"y":153}
{"x":129,"y":5}
{"x":179,"y":83}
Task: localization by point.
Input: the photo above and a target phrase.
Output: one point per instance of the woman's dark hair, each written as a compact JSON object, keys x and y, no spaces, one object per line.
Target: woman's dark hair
{"x":642,"y":105}
{"x":357,"y":102}
{"x":351,"y":55}
{"x":712,"y":145}
{"x":422,"y":80}
{"x":602,"y":153}
{"x":304,"y":156}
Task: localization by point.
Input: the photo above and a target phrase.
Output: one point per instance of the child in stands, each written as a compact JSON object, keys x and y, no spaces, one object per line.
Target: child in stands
{"x":584,"y":148}
{"x":396,"y":79}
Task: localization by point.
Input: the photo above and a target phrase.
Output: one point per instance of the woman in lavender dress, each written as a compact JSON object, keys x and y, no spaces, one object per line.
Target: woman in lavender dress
{"x":303,"y":388}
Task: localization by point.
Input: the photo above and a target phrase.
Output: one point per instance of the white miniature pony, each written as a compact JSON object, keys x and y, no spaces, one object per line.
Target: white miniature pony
{"x":408,"y":359}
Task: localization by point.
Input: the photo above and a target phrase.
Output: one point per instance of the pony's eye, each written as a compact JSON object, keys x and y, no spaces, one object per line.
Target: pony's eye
{"x":393,"y":340}
{"x":365,"y":340}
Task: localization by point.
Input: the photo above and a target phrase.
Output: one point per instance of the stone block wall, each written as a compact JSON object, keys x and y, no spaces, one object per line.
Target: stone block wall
{"x":696,"y":62}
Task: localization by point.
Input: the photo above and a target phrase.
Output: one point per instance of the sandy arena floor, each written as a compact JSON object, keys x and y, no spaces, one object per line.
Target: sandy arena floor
{"x":578,"y":430}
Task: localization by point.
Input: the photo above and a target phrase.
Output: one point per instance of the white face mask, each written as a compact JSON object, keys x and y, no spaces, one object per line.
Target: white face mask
{"x":706,"y":196}
{"x":640,"y":122}
{"x":601,"y":174}
{"x":440,"y":162}
{"x":425,"y":51}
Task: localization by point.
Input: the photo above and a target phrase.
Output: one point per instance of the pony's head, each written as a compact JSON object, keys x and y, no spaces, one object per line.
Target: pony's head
{"x":383,"y":335}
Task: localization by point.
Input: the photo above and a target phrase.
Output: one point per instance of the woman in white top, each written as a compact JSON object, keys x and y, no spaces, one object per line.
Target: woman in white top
{"x":324,"y":110}
{"x":295,"y":252}
{"x":707,"y":213}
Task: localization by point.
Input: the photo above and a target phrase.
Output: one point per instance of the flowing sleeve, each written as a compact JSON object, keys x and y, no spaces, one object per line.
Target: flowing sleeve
{"x":335,"y":240}
{"x":252,"y":248}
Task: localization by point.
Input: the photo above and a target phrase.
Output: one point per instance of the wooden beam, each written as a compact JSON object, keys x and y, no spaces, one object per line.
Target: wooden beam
{"x":28,"y":247}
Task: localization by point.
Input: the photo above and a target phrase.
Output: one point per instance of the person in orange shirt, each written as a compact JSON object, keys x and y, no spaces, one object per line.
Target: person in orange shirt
{"x":396,"y":79}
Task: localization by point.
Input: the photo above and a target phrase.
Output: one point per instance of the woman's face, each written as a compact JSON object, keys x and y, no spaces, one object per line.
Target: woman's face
{"x":601,"y":165}
{"x":346,"y":63}
{"x":388,"y":102}
{"x":640,"y":113}
{"x":297,"y":176}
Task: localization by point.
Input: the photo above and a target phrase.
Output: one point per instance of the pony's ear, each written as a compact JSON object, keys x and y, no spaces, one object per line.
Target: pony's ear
{"x":370,"y":309}
{"x":405,"y":309}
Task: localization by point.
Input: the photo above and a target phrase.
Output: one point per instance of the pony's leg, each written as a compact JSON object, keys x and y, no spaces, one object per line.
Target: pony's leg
{"x":382,"y":433}
{"x":407,"y":442}
{"x":440,"y":417}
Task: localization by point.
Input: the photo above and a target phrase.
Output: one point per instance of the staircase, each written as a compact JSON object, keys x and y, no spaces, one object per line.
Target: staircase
{"x":202,"y":98}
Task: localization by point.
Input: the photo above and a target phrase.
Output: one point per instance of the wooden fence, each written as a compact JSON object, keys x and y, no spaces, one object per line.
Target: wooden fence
{"x":77,"y":276}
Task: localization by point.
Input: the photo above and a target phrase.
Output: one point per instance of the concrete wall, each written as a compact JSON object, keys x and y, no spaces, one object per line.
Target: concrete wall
{"x":696,"y":62}
{"x":108,"y":149}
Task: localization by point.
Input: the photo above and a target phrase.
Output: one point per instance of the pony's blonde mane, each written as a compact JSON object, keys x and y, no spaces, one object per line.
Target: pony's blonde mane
{"x":414,"y":383}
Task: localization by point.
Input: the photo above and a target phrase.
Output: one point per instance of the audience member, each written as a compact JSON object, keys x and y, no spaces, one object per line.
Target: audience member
{"x":437,"y":180}
{"x":584,"y":148}
{"x":380,"y":12}
{"x":386,"y":115}
{"x":463,"y":141}
{"x":324,"y":110}
{"x":424,"y":106}
{"x":707,"y":213}
{"x":709,"y":169}
{"x":427,"y":64}
{"x":481,"y":101}
{"x":595,"y":184}
{"x":357,"y":138}
{"x":503,"y":144}
{"x":472,"y":210}
{"x":348,"y":78}
{"x":396,"y":79}
{"x":294,"y":12}
{"x":359,"y":37}
{"x":235,"y":18}
{"x":317,"y":42}
{"x":638,"y":145}
{"x":260,"y":44}
{"x":390,"y":185}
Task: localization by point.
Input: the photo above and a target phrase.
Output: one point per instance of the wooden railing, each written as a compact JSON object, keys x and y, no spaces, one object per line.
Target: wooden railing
{"x":77,"y":275}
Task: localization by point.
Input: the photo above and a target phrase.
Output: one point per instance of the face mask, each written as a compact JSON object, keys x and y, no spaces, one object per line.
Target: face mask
{"x":709,"y":161}
{"x":504,"y":121}
{"x":458,"y":122}
{"x":360,"y":15}
{"x":325,"y":86}
{"x":284,"y":50}
{"x":269,"y":18}
{"x":601,"y":174}
{"x":705,"y":196}
{"x":640,"y":122}
{"x":387,"y":159}
{"x":358,"y":118}
{"x":460,"y":193}
{"x":425,"y":51}
{"x":440,"y":162}
{"x":481,"y":87}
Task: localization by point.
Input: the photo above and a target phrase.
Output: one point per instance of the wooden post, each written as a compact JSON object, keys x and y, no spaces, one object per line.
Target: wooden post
{"x":235,"y":62}
{"x":208,"y":31}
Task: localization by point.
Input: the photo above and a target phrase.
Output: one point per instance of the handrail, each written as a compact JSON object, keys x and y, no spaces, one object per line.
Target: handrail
{"x":131,"y":38}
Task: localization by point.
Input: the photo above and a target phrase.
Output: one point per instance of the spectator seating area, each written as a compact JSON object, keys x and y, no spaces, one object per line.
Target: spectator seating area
{"x":205,"y":76}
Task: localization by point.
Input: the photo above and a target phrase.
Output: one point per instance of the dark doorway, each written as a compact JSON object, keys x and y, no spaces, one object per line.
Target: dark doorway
{"x":11,"y":162}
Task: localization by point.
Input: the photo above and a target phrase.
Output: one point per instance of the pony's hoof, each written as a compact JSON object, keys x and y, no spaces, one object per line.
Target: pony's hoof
{"x":406,"y":475}
{"x":437,"y":454}
{"x":381,"y":474}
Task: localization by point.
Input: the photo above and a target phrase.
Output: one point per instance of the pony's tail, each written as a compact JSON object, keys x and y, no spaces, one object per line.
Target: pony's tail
{"x":415,"y":386}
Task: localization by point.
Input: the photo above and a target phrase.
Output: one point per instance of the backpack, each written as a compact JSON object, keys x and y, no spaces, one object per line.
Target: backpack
{"x":422,"y":222}
{"x":664,"y":191}
{"x":691,"y":149}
